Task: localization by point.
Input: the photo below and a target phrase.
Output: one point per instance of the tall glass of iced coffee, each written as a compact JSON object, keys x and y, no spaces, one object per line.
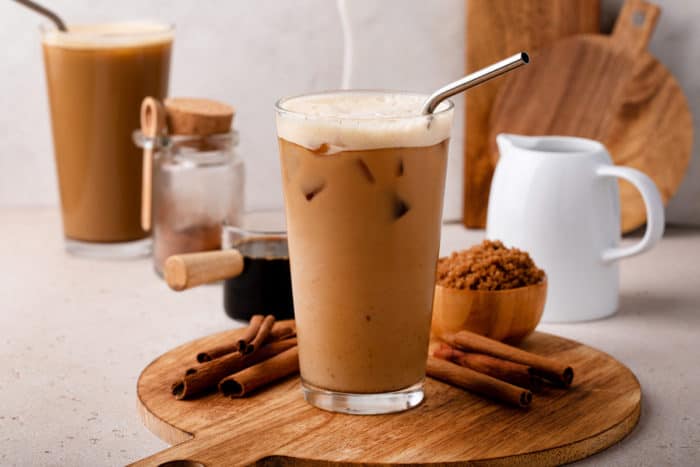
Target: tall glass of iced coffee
{"x":97,"y":75}
{"x":363,"y":175}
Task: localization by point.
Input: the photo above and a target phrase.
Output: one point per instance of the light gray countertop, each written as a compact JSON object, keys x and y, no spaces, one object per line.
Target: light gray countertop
{"x":75,"y":334}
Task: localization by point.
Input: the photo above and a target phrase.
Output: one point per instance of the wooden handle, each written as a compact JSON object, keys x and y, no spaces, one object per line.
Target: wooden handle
{"x":146,"y":189}
{"x":635,"y":25}
{"x":152,"y":125}
{"x":191,"y":269}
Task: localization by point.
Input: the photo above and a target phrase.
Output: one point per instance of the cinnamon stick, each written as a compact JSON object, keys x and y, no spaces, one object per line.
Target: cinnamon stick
{"x":544,"y":367}
{"x":283,"y":329}
{"x":260,"y":337}
{"x":478,"y":383}
{"x":256,"y":376}
{"x":510,"y":372}
{"x":216,"y":352}
{"x":280,"y":330}
{"x":285,"y":323}
{"x":252,"y":331}
{"x":206,"y":376}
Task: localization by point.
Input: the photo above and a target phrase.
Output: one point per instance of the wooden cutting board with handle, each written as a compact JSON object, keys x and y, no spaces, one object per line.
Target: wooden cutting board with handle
{"x":607,"y":88}
{"x":276,"y":427}
{"x":497,"y":29}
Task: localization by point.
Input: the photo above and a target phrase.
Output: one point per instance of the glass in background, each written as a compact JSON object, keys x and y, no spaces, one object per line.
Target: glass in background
{"x":97,"y":75}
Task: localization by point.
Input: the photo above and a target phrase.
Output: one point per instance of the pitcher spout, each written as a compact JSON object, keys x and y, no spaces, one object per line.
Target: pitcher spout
{"x":505,"y":141}
{"x":548,"y":144}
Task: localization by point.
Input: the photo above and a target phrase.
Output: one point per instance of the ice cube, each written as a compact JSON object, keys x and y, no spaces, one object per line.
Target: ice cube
{"x":313,"y":189}
{"x":364,"y":168}
{"x":400,"y":207}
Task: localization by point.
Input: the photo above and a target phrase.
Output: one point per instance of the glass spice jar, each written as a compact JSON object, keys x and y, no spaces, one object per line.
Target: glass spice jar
{"x":198,"y":184}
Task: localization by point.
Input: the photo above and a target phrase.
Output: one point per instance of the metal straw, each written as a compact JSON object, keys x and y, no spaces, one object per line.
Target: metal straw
{"x":474,"y":79}
{"x":46,"y":12}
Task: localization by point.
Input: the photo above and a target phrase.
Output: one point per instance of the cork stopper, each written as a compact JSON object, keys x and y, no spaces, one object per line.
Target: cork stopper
{"x":193,"y":116}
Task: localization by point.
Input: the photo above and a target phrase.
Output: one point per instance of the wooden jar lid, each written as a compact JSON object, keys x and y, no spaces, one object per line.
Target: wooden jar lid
{"x":194,"y":116}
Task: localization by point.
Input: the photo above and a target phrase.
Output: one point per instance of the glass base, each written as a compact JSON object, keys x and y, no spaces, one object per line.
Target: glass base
{"x":121,"y":250}
{"x":363,"y":404}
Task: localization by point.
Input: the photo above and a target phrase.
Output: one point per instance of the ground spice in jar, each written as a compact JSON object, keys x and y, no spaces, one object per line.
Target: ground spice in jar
{"x":168,"y":241}
{"x":198,"y":178}
{"x":488,"y":266}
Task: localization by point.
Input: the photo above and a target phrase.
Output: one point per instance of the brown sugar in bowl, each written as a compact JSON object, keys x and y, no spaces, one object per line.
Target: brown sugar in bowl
{"x":510,"y":314}
{"x":489,"y":289}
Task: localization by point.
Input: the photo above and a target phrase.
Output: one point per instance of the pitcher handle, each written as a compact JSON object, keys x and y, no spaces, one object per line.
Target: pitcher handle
{"x":653,"y":204}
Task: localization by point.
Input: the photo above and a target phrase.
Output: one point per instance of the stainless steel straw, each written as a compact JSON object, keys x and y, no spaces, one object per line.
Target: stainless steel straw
{"x":474,"y":79}
{"x":46,"y":12}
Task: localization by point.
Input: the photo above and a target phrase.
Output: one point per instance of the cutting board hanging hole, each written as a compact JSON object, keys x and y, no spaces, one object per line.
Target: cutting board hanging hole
{"x":635,"y":25}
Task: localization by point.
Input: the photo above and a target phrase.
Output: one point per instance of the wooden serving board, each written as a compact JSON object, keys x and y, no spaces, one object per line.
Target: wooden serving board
{"x":497,"y":29}
{"x":607,"y":88}
{"x":275,"y":426}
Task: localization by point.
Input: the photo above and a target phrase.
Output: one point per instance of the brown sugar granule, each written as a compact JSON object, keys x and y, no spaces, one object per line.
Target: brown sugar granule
{"x":488,"y":266}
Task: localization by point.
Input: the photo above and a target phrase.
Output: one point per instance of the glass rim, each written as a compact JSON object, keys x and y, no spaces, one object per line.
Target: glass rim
{"x":281,"y":110}
{"x":241,"y":229}
{"x":261,"y":232}
{"x":89,"y":38}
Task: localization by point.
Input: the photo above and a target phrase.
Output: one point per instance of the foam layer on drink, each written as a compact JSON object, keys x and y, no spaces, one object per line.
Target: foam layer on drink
{"x":361,"y":120}
{"x":107,"y":35}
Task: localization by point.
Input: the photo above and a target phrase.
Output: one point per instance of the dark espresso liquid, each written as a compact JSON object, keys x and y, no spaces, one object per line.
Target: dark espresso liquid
{"x":265,"y":286}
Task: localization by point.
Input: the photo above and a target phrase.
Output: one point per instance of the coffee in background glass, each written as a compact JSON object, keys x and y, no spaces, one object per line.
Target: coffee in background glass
{"x":97,"y":75}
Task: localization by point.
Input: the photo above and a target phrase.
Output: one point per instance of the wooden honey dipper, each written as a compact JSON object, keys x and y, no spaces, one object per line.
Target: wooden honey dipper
{"x":176,"y":116}
{"x":152,"y":127}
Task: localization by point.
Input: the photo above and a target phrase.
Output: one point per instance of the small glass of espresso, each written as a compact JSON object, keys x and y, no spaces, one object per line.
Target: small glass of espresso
{"x":265,"y":286}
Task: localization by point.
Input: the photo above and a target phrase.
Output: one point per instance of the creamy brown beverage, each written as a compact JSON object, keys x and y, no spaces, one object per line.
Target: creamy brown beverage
{"x":97,"y":76}
{"x":363,"y":176}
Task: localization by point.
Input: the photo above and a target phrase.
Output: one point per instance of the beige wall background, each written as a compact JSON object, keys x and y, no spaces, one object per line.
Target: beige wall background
{"x":249,"y":53}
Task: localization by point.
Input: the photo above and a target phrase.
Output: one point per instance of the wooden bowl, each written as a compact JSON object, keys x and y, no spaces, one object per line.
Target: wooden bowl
{"x":499,"y":314}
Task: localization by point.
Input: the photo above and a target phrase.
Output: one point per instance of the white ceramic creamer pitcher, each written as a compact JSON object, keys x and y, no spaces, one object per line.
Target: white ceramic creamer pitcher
{"x":557,"y":198}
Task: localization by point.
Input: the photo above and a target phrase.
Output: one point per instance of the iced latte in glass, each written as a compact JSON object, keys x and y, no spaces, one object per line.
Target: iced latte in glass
{"x":363,"y":175}
{"x":97,"y":75}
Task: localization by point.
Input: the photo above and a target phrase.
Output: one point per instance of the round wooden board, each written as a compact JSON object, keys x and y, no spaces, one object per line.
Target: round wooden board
{"x":451,"y":425}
